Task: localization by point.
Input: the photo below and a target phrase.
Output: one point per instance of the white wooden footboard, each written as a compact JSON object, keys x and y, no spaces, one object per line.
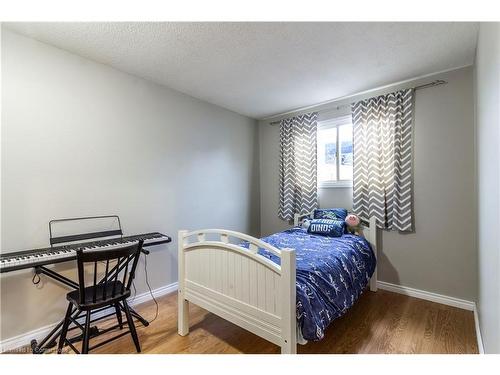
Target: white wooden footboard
{"x":238,"y":284}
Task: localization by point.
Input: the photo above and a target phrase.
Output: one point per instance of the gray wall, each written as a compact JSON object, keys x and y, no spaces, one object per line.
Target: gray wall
{"x":80,"y":138}
{"x":488,"y":182}
{"x":440,"y":256}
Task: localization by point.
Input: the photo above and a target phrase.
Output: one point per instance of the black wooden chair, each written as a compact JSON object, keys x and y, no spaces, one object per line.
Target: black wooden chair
{"x":111,"y":291}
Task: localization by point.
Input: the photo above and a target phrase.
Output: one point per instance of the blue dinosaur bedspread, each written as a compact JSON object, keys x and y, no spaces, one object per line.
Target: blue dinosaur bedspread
{"x":332,"y":272}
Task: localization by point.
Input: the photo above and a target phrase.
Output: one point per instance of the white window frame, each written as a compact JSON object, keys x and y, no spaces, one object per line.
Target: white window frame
{"x":328,"y":124}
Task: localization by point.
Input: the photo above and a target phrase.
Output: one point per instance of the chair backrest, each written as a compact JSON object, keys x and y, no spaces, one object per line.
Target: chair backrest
{"x":123,"y":257}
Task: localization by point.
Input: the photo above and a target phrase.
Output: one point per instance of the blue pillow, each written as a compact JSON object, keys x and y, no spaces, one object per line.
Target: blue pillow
{"x":326,"y":227}
{"x":330,"y":213}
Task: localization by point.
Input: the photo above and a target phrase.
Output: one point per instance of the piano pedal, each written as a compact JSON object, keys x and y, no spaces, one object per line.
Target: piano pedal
{"x":94,"y":331}
{"x":35,"y":349}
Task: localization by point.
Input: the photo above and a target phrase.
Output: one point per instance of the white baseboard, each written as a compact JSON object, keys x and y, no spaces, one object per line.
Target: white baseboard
{"x":429,"y":296}
{"x":40,"y":333}
{"x":478,"y":331}
{"x":146,"y":296}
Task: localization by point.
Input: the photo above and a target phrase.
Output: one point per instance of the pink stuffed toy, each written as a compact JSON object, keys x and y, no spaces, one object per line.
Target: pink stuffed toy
{"x":353,"y":223}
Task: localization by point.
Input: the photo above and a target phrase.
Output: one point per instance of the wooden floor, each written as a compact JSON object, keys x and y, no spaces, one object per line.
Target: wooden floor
{"x":380,"y":322}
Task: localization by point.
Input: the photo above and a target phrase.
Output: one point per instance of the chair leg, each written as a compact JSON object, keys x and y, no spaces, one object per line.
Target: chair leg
{"x":86,"y":334}
{"x":119,"y":314}
{"x":131,"y":327}
{"x":64,"y":330}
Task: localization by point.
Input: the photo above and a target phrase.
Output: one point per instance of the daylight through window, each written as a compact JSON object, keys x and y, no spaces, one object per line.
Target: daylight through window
{"x":335,"y":152}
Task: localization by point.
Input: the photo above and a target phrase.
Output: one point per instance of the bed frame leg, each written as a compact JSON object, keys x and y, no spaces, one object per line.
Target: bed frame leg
{"x":183,"y":316}
{"x":182,"y":303}
{"x":373,"y":283}
{"x":289,"y":348}
{"x":372,"y":238}
{"x":289,"y":314}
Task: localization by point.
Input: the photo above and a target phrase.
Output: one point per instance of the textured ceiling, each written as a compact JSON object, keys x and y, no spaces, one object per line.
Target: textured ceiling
{"x":261,"y":69}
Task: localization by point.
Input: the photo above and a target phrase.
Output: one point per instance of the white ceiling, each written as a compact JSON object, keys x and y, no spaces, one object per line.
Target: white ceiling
{"x":261,"y":69}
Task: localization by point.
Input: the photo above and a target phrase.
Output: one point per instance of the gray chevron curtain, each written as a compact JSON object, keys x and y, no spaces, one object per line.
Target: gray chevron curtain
{"x":383,"y":176}
{"x":298,"y":174}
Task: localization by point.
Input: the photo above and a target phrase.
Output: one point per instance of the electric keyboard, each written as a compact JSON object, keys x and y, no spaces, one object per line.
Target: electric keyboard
{"x":39,"y":257}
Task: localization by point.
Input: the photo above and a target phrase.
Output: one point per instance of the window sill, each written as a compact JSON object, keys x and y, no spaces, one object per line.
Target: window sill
{"x":335,"y":184}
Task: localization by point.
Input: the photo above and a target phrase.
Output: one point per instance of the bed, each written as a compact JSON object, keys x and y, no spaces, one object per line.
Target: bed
{"x":286,"y":288}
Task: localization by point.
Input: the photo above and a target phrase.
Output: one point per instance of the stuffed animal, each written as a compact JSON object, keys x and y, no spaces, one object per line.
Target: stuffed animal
{"x":353,"y":224}
{"x":306,"y":223}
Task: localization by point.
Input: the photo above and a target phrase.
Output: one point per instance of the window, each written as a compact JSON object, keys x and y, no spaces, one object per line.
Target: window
{"x":335,"y":157}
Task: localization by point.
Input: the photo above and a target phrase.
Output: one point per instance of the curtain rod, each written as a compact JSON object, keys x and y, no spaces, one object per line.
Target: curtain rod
{"x":437,"y":82}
